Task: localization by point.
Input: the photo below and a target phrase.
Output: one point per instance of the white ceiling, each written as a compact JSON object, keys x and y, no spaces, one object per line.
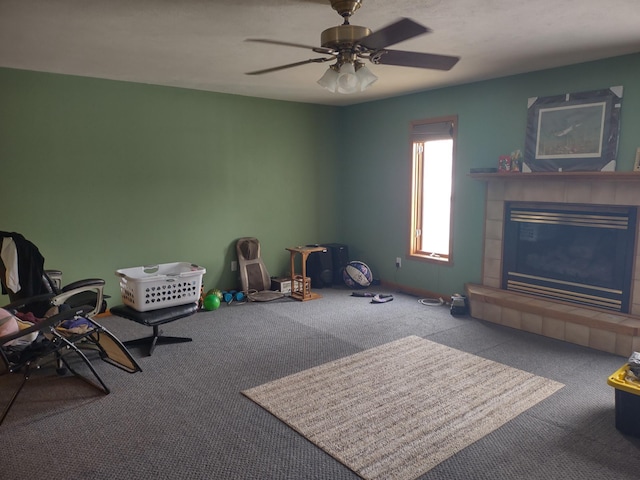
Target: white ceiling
{"x":200,"y":44}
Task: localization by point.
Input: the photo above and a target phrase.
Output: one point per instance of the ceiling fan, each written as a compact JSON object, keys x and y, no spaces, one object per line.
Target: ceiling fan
{"x":349,"y":44}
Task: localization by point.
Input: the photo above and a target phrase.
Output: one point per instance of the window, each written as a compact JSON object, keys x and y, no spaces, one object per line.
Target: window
{"x":433,"y":153}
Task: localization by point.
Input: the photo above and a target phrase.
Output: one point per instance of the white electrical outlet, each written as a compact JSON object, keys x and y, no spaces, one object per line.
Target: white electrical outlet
{"x":234,"y":265}
{"x":398,"y":262}
{"x":636,"y":165}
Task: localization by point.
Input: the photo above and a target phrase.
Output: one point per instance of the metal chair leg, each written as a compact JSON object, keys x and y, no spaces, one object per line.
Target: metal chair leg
{"x":26,"y":376}
{"x":73,"y":347}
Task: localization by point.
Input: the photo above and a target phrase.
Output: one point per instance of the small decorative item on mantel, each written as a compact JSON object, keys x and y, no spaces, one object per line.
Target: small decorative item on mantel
{"x":510,"y":163}
{"x":504,"y":163}
{"x":516,"y":161}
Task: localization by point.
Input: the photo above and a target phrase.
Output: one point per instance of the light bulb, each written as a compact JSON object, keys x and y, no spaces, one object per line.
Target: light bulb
{"x":347,"y":80}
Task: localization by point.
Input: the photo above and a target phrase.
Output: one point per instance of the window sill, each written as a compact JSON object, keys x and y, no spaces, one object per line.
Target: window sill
{"x":431,"y":259}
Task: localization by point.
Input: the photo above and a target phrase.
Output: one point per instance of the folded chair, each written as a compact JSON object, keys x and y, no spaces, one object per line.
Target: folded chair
{"x":254,"y":276}
{"x":51,"y":311}
{"x":51,"y":340}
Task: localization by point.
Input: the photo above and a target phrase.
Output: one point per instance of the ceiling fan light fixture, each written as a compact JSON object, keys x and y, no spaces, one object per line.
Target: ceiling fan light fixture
{"x":365,"y":77}
{"x":329,"y":80}
{"x":348,"y":81}
{"x":346,"y":78}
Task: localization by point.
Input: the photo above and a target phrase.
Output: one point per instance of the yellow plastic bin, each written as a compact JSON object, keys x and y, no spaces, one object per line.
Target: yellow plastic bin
{"x":627,"y":402}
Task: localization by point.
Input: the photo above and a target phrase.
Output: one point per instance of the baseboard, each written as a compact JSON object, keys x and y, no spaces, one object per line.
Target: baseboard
{"x":417,"y":292}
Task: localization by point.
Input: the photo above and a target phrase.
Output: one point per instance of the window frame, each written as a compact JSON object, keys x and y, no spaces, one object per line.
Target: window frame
{"x":417,"y":201}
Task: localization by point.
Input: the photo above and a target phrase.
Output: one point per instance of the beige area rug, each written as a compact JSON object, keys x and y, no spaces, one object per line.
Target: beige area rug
{"x":395,"y":411}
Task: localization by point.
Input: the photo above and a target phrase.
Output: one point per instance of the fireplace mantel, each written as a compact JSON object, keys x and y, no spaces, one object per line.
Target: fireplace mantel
{"x":537,"y":176}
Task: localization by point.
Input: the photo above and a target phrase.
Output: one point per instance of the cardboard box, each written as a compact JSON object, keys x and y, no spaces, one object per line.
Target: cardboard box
{"x":283,"y":284}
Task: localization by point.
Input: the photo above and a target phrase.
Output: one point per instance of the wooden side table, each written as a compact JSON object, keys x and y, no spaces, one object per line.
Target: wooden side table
{"x":300,"y":284}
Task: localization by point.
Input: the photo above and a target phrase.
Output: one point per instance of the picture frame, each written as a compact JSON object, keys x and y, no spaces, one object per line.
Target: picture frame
{"x":573,"y":132}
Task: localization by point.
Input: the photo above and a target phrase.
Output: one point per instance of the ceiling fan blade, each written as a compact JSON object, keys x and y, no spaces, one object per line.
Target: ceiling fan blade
{"x":321,"y":50}
{"x":403,"y":29}
{"x":414,"y":59}
{"x":290,"y":65}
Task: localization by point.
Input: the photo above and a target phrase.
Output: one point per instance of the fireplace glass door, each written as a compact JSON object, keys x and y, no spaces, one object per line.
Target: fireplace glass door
{"x":581,"y":254}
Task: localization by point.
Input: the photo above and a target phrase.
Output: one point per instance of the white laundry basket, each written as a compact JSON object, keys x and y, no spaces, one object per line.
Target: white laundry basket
{"x":159,"y":286}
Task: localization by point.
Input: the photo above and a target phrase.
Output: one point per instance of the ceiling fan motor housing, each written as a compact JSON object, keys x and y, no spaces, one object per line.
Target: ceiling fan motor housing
{"x":343,"y":36}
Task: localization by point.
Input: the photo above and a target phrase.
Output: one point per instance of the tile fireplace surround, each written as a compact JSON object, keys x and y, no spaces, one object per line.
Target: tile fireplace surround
{"x":612,"y":332}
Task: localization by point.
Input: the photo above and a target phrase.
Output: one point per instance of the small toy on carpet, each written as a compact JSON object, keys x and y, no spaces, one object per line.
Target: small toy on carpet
{"x":382,"y":298}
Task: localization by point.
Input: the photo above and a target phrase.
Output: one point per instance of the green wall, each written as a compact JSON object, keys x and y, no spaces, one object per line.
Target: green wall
{"x":492,"y":117}
{"x":104,"y":175}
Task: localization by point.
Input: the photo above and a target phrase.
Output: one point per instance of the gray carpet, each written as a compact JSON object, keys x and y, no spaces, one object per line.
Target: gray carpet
{"x":183,"y":416}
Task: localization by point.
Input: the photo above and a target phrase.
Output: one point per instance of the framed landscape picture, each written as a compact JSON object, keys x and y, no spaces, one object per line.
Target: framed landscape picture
{"x":573,"y":132}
